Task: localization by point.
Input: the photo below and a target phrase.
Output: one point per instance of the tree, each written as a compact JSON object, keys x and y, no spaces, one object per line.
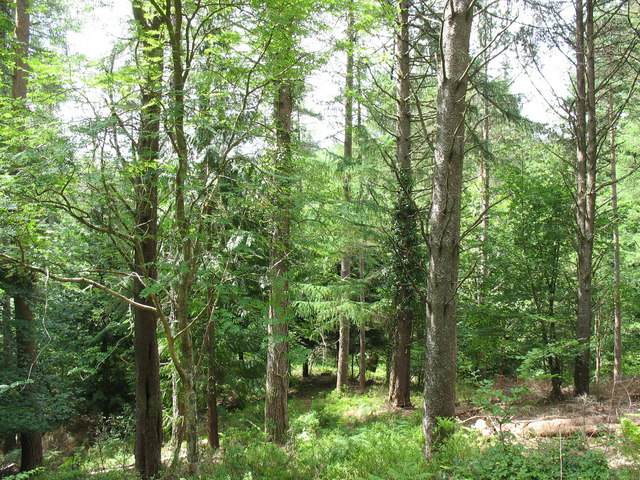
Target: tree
{"x":617,"y":306}
{"x":444,"y":220}
{"x":30,"y":441}
{"x":585,"y":130}
{"x":405,"y":261}
{"x":345,"y":264}
{"x":148,"y":403}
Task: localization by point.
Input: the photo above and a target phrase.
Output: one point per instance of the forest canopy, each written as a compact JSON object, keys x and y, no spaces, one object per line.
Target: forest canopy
{"x":413,"y":199}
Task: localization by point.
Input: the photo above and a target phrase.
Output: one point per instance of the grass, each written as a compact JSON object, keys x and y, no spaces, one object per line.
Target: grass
{"x":352,"y":437}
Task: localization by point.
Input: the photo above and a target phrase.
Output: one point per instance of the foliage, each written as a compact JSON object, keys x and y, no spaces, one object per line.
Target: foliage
{"x":569,"y":458}
{"x":349,"y":436}
{"x":630,"y":433}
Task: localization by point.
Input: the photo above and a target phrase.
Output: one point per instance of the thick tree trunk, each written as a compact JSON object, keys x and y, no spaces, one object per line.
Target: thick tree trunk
{"x":586,"y":186}
{"x":30,"y":440}
{"x":405,"y":262}
{"x":148,"y":403}
{"x":617,"y":325}
{"x":277,"y":384}
{"x":444,"y":236}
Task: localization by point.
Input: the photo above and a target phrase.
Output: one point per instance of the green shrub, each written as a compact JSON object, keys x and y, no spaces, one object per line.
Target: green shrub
{"x":568,"y":458}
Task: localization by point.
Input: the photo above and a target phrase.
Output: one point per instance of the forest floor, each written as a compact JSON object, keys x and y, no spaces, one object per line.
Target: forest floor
{"x":512,"y":432}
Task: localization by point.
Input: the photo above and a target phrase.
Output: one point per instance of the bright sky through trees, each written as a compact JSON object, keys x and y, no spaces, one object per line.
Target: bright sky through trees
{"x":107,"y":23}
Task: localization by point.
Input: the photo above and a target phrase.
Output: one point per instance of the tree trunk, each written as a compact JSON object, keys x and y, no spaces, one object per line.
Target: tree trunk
{"x":26,"y":355}
{"x":148,"y":403}
{"x":444,"y":236}
{"x":9,"y":442}
{"x":277,"y":384}
{"x":177,"y":415}
{"x":213,"y":435}
{"x":405,"y":262}
{"x":19,"y":87}
{"x":345,"y":265}
{"x":362,"y":372}
{"x":344,"y":340}
{"x":187,"y":251}
{"x":30,"y":441}
{"x":586,"y":186}
{"x":486,"y":37}
{"x":617,"y":325}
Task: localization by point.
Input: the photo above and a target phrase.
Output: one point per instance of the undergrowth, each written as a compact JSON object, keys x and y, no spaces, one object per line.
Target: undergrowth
{"x":353,"y":437}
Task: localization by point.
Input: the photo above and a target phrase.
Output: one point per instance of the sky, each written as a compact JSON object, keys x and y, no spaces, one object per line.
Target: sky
{"x":107,"y":22}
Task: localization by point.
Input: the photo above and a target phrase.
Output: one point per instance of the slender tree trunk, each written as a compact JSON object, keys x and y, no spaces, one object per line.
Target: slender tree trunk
{"x":405,"y":262}
{"x":277,"y":385}
{"x":213,"y":434}
{"x":597,"y":327}
{"x":19,"y":87}
{"x":148,"y":403}
{"x":444,"y":236}
{"x":26,"y":355}
{"x":177,"y":415}
{"x":362,"y":372}
{"x":553,"y":361}
{"x":617,"y":325}
{"x":486,"y":37}
{"x":9,"y":442}
{"x":586,"y":186}
{"x":344,"y":340}
{"x":342,"y":376}
{"x":187,"y":369}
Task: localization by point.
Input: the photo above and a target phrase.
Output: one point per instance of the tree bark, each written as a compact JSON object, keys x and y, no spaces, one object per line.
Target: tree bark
{"x":617,"y":324}
{"x":173,"y":19}
{"x":19,"y":89}
{"x":277,"y":384}
{"x":30,"y":440}
{"x":405,"y":262}
{"x":362,"y":371}
{"x":213,"y":435}
{"x":485,"y":42}
{"x":444,"y":235}
{"x":344,"y":340}
{"x":342,"y":376}
{"x":585,"y":130}
{"x":148,"y":402}
{"x":9,"y":442}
